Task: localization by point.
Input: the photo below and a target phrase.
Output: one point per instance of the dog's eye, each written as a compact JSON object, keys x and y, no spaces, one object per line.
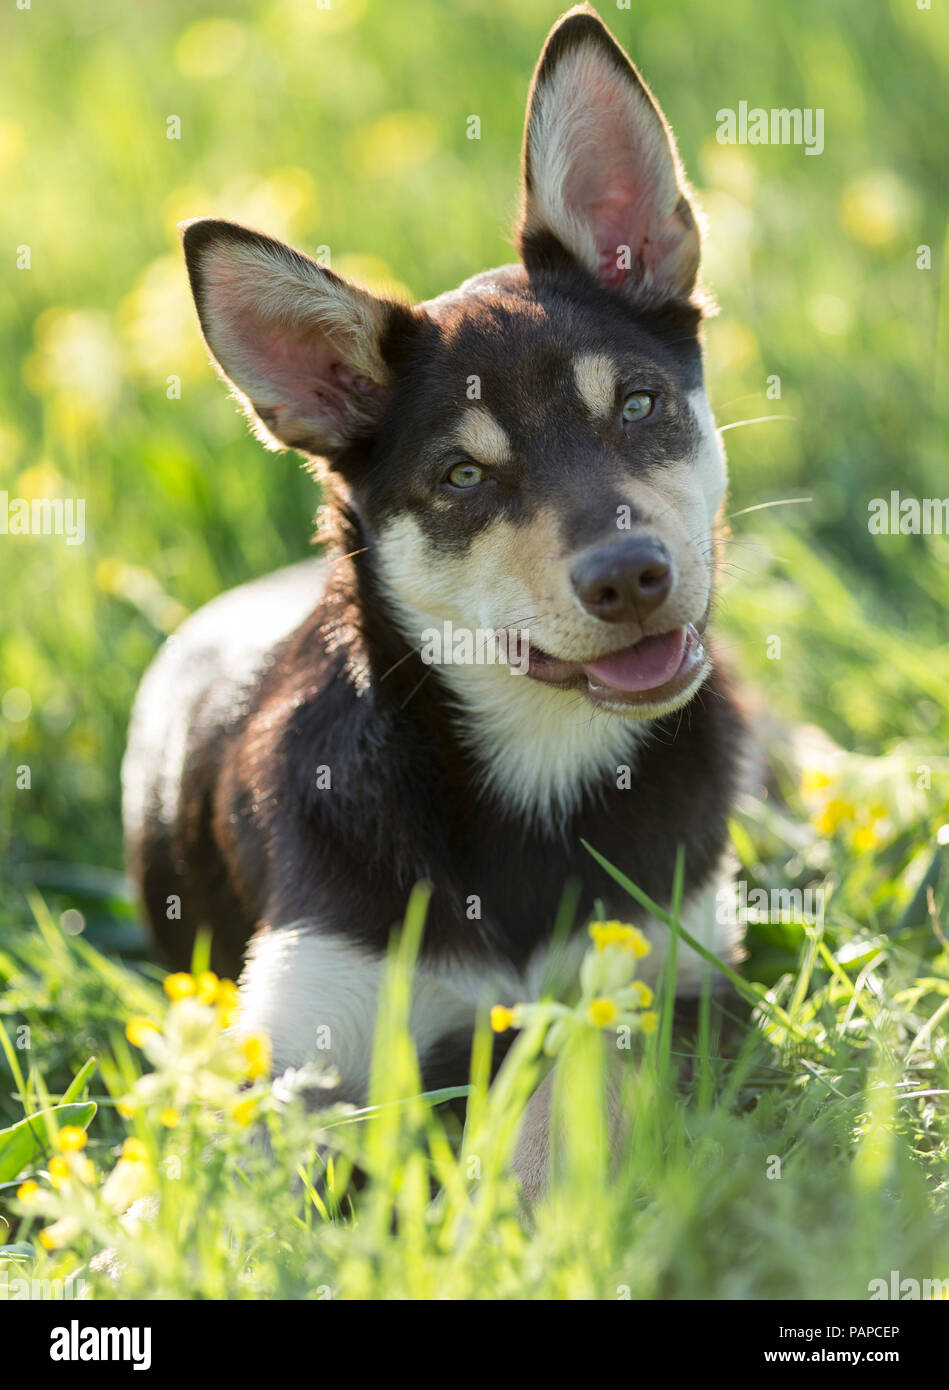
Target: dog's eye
{"x":464,"y":474}
{"x":637,"y":405}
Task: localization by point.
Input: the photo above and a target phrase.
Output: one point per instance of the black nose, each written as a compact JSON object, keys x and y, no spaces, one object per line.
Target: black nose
{"x":623,"y":580}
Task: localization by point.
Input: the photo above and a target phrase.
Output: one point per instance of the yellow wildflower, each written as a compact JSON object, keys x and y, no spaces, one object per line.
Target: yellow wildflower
{"x":621,"y":934}
{"x":602,"y":1012}
{"x":243,"y":1111}
{"x":138,"y":1030}
{"x":228,"y":999}
{"x":256,"y":1050}
{"x":648,"y":1023}
{"x":71,"y":1138}
{"x":134,"y":1151}
{"x":644,"y":992}
{"x":60,"y":1233}
{"x":501,"y":1018}
{"x":170,"y":1118}
{"x":58,"y":1171}
{"x":207,"y":986}
{"x":814,"y":779}
{"x":180,"y":985}
{"x":833,"y":815}
{"x":865,"y":837}
{"x":27,"y":1191}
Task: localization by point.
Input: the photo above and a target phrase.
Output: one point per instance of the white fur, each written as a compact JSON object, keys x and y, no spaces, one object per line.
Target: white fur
{"x":237,"y":630}
{"x":539,"y":748}
{"x":711,"y":467}
{"x":315,"y":995}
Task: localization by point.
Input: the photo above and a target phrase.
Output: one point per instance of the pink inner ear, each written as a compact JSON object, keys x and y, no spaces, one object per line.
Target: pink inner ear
{"x":303,"y":367}
{"x":626,"y":216}
{"x":617,"y":181}
{"x":300,"y":367}
{"x":616,"y":226}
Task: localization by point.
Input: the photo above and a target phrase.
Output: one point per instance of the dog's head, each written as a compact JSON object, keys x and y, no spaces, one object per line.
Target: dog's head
{"x":533,"y":451}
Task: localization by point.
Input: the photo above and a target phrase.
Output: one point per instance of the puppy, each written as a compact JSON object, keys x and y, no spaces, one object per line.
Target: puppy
{"x":505,"y":651}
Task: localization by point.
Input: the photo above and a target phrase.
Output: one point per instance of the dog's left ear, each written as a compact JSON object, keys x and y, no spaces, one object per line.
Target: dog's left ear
{"x":303,"y":349}
{"x":602,"y":181}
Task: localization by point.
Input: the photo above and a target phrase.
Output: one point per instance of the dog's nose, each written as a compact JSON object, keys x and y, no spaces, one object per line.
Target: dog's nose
{"x":623,"y":580}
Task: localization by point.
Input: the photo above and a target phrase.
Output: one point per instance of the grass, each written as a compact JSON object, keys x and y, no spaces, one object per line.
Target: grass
{"x":347,"y":128}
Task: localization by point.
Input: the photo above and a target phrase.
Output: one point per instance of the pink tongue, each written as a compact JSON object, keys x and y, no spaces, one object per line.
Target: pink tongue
{"x":651,"y":662}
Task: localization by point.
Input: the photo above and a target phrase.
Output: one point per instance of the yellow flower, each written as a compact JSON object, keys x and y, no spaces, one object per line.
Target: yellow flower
{"x":501,"y":1018}
{"x":601,"y":1012}
{"x":27,"y":1191}
{"x":228,"y":999}
{"x":648,"y":1023}
{"x":644,"y":992}
{"x":833,"y":815}
{"x":622,"y":934}
{"x":256,"y":1050}
{"x":814,"y":779}
{"x":60,"y":1233}
{"x":134,"y":1151}
{"x":243,"y":1111}
{"x":865,"y":837}
{"x":207,"y":986}
{"x":170,"y":1118}
{"x":126,"y":1107}
{"x":138,"y":1030}
{"x":180,"y":985}
{"x":71,"y":1138}
{"x":58,"y":1171}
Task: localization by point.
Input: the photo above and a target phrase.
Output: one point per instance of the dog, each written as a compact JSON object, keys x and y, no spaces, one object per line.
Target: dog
{"x":530,"y":455}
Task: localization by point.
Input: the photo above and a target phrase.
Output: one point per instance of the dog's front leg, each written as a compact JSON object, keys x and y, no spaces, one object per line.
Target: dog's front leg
{"x":314,"y":995}
{"x":532,"y":1155}
{"x":539,"y":1145}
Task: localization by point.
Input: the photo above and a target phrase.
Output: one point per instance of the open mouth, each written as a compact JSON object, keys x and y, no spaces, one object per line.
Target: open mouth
{"x":653,"y":671}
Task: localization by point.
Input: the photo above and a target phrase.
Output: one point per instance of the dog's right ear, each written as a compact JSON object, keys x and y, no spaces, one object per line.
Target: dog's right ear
{"x":302,"y":348}
{"x":602,"y":181}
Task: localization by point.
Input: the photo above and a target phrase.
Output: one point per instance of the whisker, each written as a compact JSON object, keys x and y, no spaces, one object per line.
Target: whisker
{"x":413,"y":651}
{"x":757,"y":420}
{"x":416,"y":688}
{"x":761,"y":506}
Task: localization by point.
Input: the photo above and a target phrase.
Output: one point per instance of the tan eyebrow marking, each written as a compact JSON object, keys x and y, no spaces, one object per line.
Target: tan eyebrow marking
{"x":596,"y":378}
{"x":480,"y":435}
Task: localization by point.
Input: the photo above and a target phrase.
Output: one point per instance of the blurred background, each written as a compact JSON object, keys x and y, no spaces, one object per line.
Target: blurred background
{"x":346,"y":126}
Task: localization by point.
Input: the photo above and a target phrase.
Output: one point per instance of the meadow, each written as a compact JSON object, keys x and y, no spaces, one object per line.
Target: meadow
{"x":812,"y":1157}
